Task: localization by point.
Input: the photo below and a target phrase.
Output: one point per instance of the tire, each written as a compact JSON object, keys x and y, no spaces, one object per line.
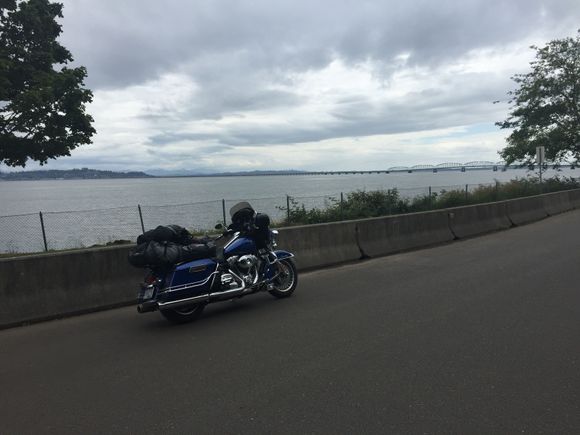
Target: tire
{"x":184,"y":314}
{"x":287,"y":280}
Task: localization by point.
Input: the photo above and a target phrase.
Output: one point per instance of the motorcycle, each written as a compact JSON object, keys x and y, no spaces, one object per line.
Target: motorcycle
{"x":246,"y":261}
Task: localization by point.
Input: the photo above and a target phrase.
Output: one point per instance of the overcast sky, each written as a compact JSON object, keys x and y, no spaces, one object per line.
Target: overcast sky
{"x":220,"y":85}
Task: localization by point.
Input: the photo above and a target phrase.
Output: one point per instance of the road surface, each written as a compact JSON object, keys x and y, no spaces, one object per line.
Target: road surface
{"x":477,"y":336}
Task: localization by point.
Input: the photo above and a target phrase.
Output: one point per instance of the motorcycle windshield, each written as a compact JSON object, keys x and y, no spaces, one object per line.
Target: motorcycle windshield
{"x":241,"y":207}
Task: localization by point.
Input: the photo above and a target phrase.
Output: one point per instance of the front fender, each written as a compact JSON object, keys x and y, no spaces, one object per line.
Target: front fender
{"x":283,"y":254}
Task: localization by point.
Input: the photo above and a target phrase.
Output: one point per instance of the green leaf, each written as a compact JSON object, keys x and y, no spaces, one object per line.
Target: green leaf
{"x":42,"y":102}
{"x":545,"y":107}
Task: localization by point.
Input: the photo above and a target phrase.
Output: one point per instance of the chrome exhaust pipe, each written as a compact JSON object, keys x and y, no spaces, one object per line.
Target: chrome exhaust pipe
{"x":208,"y":297}
{"x":227,"y":294}
{"x":181,"y":302}
{"x":231,"y":292}
{"x":146,"y":307}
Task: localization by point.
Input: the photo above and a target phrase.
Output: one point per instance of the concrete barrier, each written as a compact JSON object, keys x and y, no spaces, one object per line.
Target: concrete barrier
{"x":322,"y":244}
{"x":478,"y":219}
{"x":574,"y":197}
{"x":525,"y":210}
{"x":382,"y":236}
{"x":53,"y":285}
{"x":47,"y":285}
{"x":555,"y":203}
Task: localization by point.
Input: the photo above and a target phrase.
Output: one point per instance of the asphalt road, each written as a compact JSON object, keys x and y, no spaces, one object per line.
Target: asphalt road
{"x":478,"y":336}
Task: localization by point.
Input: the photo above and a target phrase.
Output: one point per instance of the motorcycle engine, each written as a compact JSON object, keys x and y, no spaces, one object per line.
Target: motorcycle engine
{"x":246,"y":266}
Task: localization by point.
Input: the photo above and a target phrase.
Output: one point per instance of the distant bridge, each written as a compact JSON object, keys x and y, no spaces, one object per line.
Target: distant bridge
{"x":448,"y":166}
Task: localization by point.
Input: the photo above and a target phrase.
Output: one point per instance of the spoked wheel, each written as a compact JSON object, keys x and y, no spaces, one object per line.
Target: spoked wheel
{"x":184,"y":314}
{"x":286,"y":281}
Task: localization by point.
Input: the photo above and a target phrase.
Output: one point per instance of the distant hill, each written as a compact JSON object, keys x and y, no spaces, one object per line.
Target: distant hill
{"x":95,"y":174}
{"x":69,"y":174}
{"x":185,"y":173}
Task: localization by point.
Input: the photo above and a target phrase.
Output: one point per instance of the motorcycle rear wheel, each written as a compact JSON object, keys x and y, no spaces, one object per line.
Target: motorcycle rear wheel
{"x":287,"y":280}
{"x":185,"y":314}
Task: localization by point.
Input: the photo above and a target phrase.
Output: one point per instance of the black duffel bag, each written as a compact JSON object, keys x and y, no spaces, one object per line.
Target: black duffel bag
{"x":167,"y":233}
{"x":165,"y":254}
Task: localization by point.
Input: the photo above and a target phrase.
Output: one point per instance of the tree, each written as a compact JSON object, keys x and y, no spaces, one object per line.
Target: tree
{"x":545,"y":108}
{"x":42,"y":102}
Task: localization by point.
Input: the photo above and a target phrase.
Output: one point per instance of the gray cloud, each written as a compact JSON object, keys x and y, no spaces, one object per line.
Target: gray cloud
{"x":246,"y":56}
{"x":468,"y":100}
{"x":128,"y":42}
{"x":221,"y":98}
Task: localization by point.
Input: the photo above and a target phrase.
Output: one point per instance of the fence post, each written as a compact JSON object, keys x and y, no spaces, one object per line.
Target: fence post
{"x":430,"y":197}
{"x":341,"y":206}
{"x":224,"y":212}
{"x":141,"y":217}
{"x":496,"y":190}
{"x":288,"y":208}
{"x":466,"y":191}
{"x":43,"y":231}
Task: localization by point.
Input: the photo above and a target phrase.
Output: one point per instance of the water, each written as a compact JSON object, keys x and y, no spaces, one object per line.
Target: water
{"x":80,"y":213}
{"x":21,"y":197}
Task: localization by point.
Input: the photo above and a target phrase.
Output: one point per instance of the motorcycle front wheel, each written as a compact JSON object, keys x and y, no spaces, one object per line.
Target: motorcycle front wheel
{"x":286,"y":281}
{"x":185,"y":314}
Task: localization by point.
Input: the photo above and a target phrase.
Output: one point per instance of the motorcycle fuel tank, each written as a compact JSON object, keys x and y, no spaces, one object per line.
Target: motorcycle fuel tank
{"x":241,"y":246}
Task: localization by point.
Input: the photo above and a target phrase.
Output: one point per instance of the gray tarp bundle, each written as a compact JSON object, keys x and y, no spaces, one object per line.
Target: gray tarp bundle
{"x":168,"y":245}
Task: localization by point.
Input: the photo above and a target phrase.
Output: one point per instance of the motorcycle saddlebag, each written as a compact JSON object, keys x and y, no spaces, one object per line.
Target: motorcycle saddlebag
{"x":190,"y":279}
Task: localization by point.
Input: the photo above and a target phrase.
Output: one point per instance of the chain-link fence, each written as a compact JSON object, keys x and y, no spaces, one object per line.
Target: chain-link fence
{"x":21,"y":233}
{"x":65,"y":230}
{"x":46,"y":231}
{"x":196,"y":217}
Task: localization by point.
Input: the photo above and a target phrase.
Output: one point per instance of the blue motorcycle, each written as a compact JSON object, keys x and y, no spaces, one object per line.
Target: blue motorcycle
{"x":244,"y":261}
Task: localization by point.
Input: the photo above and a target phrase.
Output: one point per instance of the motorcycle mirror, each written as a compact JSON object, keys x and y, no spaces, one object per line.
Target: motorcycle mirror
{"x":218,"y":226}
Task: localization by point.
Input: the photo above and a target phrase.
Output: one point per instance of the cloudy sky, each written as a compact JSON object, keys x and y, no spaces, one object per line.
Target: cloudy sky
{"x":222,"y":85}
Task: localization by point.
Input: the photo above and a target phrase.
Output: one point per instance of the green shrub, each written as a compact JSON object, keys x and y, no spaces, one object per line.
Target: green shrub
{"x":452,"y":198}
{"x":356,"y":205}
{"x":366,"y":204}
